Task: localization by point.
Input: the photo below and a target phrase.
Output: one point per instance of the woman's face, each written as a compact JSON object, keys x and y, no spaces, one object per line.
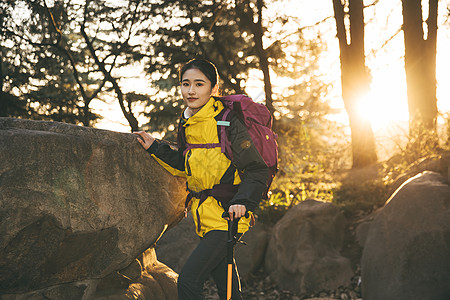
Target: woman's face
{"x":196,"y":89}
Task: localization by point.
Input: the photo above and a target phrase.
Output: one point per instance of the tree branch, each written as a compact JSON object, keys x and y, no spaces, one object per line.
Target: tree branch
{"x":108,"y":77}
{"x":316,"y":24}
{"x":372,"y":4}
{"x":373,"y":52}
{"x":50,"y":15}
{"x":67,"y":53}
{"x":100,"y":87}
{"x":340,"y":27}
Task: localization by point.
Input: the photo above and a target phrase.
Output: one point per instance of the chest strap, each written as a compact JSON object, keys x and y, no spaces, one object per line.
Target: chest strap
{"x":207,"y":146}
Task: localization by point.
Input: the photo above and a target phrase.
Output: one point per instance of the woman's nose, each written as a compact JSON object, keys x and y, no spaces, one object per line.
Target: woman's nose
{"x":191,"y":90}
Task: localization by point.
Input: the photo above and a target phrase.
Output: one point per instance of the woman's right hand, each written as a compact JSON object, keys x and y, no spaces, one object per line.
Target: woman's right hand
{"x":145,"y":139}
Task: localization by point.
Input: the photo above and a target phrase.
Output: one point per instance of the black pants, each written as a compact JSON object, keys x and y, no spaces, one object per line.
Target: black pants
{"x":209,"y":258}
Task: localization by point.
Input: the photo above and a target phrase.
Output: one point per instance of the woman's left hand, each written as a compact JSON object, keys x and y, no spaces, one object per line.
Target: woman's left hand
{"x":145,"y":139}
{"x":236,"y":211}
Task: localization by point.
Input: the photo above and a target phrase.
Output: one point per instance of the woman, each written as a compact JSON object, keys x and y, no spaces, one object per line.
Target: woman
{"x":209,"y":172}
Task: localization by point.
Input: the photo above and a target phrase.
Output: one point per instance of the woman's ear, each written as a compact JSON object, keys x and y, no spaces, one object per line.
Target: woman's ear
{"x":215,"y":90}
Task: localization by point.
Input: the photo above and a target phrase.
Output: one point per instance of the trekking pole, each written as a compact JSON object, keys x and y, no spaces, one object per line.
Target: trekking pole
{"x":232,"y":240}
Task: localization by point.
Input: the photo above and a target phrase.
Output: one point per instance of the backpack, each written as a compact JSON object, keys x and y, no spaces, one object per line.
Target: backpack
{"x":258,"y":121}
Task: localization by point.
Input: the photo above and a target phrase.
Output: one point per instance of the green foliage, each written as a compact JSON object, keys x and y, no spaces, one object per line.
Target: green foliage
{"x":419,"y":145}
{"x":307,"y":163}
{"x":163,"y":113}
{"x":225,"y":33}
{"x":355,"y":197}
{"x":11,"y":105}
{"x":213,"y":30}
{"x":57,"y":59}
{"x":36,"y":75}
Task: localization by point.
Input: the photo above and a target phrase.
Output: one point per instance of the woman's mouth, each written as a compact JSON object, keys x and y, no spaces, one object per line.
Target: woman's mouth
{"x":190,"y":99}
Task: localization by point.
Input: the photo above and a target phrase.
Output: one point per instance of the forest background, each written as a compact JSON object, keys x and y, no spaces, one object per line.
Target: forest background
{"x":351,"y":84}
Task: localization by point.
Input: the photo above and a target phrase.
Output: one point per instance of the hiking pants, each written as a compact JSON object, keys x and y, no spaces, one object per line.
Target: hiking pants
{"x":209,"y":258}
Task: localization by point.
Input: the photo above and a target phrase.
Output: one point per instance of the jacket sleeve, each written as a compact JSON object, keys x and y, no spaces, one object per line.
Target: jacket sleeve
{"x":172,"y":160}
{"x":253,"y":169}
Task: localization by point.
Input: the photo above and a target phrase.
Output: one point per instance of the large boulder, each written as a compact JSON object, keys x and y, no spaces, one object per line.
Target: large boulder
{"x":407,"y":250}
{"x":251,"y":253}
{"x":77,"y":204}
{"x":303,"y":254}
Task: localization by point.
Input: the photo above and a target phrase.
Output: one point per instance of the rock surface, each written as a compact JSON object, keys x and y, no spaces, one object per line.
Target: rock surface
{"x":303,"y":254}
{"x":77,"y":204}
{"x":250,"y":256}
{"x":406,"y":252}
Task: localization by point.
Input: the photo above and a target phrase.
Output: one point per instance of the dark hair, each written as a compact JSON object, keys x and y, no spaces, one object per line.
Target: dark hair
{"x":206,"y":67}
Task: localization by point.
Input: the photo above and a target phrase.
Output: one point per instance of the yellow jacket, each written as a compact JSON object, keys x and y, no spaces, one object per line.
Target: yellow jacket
{"x":205,"y":167}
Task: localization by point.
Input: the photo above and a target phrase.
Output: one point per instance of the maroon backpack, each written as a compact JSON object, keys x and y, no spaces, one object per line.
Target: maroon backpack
{"x":258,"y":121}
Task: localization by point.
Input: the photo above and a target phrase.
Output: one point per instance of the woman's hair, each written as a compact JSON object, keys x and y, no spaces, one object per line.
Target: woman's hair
{"x":206,"y":67}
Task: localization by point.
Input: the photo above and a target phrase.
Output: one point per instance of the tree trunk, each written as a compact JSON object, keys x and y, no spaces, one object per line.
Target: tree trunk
{"x":257,"y":30}
{"x":2,"y":79}
{"x":263,"y":59}
{"x":355,"y":80}
{"x":420,"y":65}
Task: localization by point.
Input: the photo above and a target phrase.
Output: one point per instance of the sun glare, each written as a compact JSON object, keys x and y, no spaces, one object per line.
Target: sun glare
{"x":386,"y":102}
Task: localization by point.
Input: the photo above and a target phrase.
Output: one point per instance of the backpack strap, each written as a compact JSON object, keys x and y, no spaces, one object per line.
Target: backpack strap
{"x":181,"y":136}
{"x":222,"y":192}
{"x":225,"y":143}
{"x":202,"y":196}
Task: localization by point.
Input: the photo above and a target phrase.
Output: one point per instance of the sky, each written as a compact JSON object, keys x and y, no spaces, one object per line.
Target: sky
{"x":386,"y":105}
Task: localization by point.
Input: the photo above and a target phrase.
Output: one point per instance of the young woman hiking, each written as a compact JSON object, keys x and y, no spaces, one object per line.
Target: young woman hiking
{"x":215,"y":183}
